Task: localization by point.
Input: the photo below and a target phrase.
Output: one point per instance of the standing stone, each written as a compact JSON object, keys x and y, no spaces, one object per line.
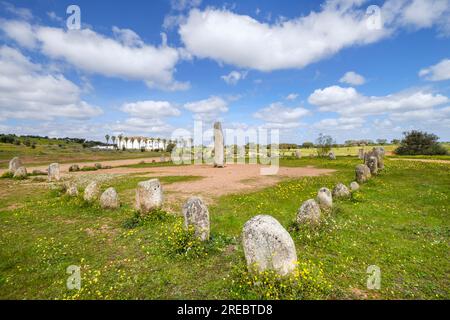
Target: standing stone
{"x":109,"y":199}
{"x":15,"y":164}
{"x":332,"y":156}
{"x":361,"y":154}
{"x":218,"y":146}
{"x":74,"y":168}
{"x":268,"y":246}
{"x":325,"y":199}
{"x":162,"y":159}
{"x":98,"y":166}
{"x":308,"y":213}
{"x":91,"y":192}
{"x":379,"y":154}
{"x":149,"y":196}
{"x":20,"y":173}
{"x":196,"y":214}
{"x":72,"y":190}
{"x":354,"y":186}
{"x":341,"y":191}
{"x":362,"y":173}
{"x":53,"y":172}
{"x":298,"y":154}
{"x":372,"y":163}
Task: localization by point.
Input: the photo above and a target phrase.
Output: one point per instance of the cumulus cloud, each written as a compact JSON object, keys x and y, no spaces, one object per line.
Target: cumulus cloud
{"x":150,"y":109}
{"x":126,"y":56}
{"x":207,"y":109}
{"x":292,"y":96}
{"x":27,"y":92}
{"x":278,"y":116}
{"x":22,"y":13}
{"x":234,"y":77}
{"x":438,"y":72}
{"x":347,"y":101}
{"x":140,"y":126}
{"x":352,"y":78}
{"x":417,"y":14}
{"x":342,"y":123}
{"x":243,"y":41}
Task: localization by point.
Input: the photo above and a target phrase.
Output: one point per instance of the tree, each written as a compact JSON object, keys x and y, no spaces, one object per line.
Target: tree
{"x":307,"y":145}
{"x":420,"y":143}
{"x":395,"y":141}
{"x":113,"y":139}
{"x":139,"y":139}
{"x":132,"y":142}
{"x":126,"y":143}
{"x":381,"y":141}
{"x":107,"y":138}
{"x":323,"y":144}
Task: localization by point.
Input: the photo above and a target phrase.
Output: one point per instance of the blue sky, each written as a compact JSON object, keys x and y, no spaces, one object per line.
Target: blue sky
{"x":150,"y":67}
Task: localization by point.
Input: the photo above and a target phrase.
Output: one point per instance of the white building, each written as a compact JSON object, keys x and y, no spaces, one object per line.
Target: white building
{"x":138,"y":143}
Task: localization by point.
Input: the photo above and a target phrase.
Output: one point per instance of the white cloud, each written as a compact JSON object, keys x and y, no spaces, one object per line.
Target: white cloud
{"x":181,"y":5}
{"x":277,"y":116}
{"x":126,"y":57}
{"x":140,"y":126}
{"x":438,"y":72}
{"x":352,"y":78}
{"x":233,"y":77}
{"x":150,"y":109}
{"x":26,"y":92}
{"x":245,"y":42}
{"x":417,"y":14}
{"x":292,"y":96}
{"x":22,"y":13}
{"x":207,"y":109}
{"x":342,"y":123}
{"x":20,"y":31}
{"x":127,"y":37}
{"x":347,"y":101}
{"x":332,"y":96}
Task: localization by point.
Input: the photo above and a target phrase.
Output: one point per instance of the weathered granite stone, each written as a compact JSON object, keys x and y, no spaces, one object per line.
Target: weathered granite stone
{"x":72,"y":190}
{"x":362,"y":173}
{"x":53,"y":172}
{"x":268,"y":246}
{"x":15,"y":164}
{"x":309,"y":212}
{"x":341,"y":191}
{"x":196,"y":214}
{"x":149,"y":196}
{"x":20,"y":173}
{"x":91,"y":192}
{"x":298,"y":154}
{"x":325,"y":199}
{"x":378,"y":152}
{"x":218,"y":146}
{"x":98,"y":166}
{"x":332,"y":156}
{"x":74,"y":168}
{"x":361,"y":154}
{"x":109,"y":199}
{"x":372,"y":163}
{"x":354,"y":186}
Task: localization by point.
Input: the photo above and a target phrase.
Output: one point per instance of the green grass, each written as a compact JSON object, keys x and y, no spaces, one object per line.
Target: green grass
{"x":399,"y":222}
{"x":45,"y":153}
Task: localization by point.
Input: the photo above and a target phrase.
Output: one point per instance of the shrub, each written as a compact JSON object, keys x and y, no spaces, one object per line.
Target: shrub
{"x":324,"y":144}
{"x":306,"y":282}
{"x":420,"y":143}
{"x":7,"y":175}
{"x":181,"y":241}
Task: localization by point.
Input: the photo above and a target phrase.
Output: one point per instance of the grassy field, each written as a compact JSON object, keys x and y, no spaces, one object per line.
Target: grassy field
{"x":66,"y":153}
{"x":399,"y":221}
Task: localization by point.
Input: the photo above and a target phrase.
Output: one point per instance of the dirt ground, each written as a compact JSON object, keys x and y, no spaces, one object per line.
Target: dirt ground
{"x":234,"y":178}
